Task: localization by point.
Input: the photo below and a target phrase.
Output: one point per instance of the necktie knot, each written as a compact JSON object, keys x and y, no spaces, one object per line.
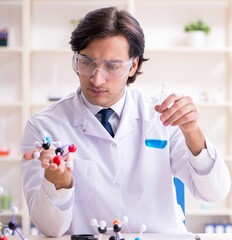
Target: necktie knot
{"x":105,"y":115}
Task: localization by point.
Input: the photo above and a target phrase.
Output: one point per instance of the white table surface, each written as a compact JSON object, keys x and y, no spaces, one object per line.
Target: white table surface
{"x":145,"y":236}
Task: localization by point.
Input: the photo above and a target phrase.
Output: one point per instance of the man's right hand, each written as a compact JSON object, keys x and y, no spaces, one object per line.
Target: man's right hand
{"x":60,"y":175}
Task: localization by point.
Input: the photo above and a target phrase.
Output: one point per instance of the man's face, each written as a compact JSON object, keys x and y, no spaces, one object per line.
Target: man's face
{"x":106,"y":86}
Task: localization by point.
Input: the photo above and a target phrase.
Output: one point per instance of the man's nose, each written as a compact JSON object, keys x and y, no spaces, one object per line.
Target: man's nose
{"x":97,"y":77}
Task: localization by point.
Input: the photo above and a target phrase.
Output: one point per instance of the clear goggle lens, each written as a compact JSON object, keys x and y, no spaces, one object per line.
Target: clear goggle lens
{"x":87,"y":66}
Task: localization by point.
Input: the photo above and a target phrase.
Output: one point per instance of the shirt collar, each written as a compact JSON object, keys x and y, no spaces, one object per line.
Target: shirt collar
{"x":117,"y":107}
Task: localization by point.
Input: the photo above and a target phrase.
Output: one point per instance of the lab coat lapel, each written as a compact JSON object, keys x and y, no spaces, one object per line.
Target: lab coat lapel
{"x":88,"y":123}
{"x":129,"y":118}
{"x":91,"y":126}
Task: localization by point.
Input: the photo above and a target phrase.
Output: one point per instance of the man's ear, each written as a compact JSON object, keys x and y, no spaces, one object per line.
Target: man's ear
{"x":134,"y":67}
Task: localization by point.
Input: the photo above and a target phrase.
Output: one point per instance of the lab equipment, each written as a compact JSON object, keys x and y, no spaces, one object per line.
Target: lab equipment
{"x":116,"y":228}
{"x":55,"y":91}
{"x":88,"y":66}
{"x":161,"y":141}
{"x":60,"y":150}
{"x":12,"y":225}
{"x":4,"y":33}
{"x":47,"y":143}
{"x":4,"y":148}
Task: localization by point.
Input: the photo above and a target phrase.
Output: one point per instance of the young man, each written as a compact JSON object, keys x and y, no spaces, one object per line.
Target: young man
{"x":115,"y":174}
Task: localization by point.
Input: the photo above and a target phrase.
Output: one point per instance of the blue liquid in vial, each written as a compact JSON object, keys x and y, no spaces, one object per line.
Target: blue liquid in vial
{"x":156,"y":143}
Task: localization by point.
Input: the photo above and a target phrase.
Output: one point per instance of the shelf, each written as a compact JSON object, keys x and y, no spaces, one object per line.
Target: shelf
{"x":209,"y":212}
{"x":8,"y":213}
{"x":228,"y":158}
{"x":9,"y":159}
{"x":10,"y":2}
{"x":184,"y":49}
{"x":191,"y":3}
{"x":41,"y":104}
{"x":81,"y":3}
{"x":214,"y":104}
{"x":64,"y":50}
{"x":10,"y":50}
{"x":16,"y":104}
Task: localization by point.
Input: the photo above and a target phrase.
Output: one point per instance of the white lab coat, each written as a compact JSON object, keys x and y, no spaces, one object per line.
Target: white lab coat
{"x":116,"y":177}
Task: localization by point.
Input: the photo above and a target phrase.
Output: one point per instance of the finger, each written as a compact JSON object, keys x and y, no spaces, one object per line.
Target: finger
{"x":69,"y":165}
{"x":158,"y":108}
{"x":68,"y":161}
{"x":45,"y":163}
{"x":170,"y":100}
{"x":29,"y":155}
{"x":61,"y":168}
{"x":183,"y":120}
{"x":167,"y":103}
{"x":180,"y":116}
{"x":68,"y":156}
{"x":177,"y":107}
{"x":53,"y":166}
{"x":186,"y":119}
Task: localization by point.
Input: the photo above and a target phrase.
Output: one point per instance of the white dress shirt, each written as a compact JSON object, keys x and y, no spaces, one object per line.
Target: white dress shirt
{"x":114,"y":118}
{"x":120,"y":176}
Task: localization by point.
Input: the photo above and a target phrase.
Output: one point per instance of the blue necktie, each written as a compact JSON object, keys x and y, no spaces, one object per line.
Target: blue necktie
{"x":105,"y":115}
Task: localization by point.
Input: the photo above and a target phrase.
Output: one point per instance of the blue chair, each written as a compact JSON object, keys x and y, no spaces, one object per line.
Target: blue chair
{"x":180,"y":193}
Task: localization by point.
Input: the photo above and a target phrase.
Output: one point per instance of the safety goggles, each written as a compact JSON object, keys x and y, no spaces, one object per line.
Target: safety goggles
{"x":88,"y":66}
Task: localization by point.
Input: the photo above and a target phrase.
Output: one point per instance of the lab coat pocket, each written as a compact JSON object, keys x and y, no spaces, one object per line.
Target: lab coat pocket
{"x":84,"y":180}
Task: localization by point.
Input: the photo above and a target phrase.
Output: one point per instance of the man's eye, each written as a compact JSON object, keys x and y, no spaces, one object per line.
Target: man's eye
{"x":112,"y":66}
{"x":86,"y":62}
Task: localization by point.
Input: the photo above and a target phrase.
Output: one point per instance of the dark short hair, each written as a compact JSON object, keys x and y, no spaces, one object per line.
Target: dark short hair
{"x":107,"y":22}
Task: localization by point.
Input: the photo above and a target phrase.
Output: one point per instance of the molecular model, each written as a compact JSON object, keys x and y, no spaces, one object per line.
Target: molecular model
{"x":47,"y":143}
{"x":116,"y":228}
{"x":12,"y":225}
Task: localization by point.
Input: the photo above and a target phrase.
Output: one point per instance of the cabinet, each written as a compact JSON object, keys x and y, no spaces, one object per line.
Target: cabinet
{"x":37,"y":63}
{"x":11,"y":104}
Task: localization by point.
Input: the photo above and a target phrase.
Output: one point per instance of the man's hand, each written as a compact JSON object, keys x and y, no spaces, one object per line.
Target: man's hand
{"x":59,"y":175}
{"x":179,"y":110}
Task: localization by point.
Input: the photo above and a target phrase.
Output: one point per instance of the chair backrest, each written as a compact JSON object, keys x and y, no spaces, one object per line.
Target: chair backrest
{"x":180,"y":193}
